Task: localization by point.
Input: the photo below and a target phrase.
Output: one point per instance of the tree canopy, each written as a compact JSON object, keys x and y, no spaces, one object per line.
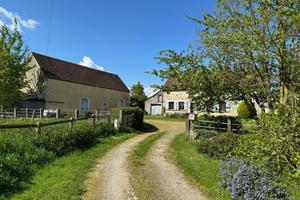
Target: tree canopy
{"x":137,"y":96}
{"x":247,"y":50}
{"x":14,"y":59}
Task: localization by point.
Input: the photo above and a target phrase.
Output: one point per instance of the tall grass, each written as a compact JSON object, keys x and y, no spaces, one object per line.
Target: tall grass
{"x":23,"y":151}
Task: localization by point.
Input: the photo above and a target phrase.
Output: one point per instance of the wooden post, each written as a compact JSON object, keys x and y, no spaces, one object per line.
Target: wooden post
{"x":56,"y":113}
{"x":97,"y":114}
{"x":71,"y":123}
{"x":121,"y":116}
{"x":41,"y":114}
{"x":1,"y":111}
{"x":229,"y":125}
{"x":76,"y":114}
{"x":15,"y":112}
{"x":94,"y":121}
{"x":108,"y":120}
{"x":187,"y":126}
{"x":38,"y":128}
{"x":26,"y":112}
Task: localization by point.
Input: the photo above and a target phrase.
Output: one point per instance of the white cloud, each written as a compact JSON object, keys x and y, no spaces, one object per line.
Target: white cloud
{"x":88,"y":62}
{"x":8,"y":18}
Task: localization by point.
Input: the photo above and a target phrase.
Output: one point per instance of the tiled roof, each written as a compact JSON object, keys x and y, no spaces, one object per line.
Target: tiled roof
{"x":66,"y":71}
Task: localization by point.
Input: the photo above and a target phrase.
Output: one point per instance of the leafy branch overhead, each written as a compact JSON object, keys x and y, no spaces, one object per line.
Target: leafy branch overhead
{"x":14,"y":60}
{"x":247,"y":50}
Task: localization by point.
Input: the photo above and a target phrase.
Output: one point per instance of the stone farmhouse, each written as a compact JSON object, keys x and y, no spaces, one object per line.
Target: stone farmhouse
{"x":179,"y":103}
{"x":67,"y":86}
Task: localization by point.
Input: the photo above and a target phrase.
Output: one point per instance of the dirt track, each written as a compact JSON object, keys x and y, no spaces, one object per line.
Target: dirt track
{"x":110,"y":179}
{"x":170,"y":182}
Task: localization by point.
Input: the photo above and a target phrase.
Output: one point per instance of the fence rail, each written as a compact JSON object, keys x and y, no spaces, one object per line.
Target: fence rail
{"x":21,"y":112}
{"x":194,"y":125}
{"x":38,"y":125}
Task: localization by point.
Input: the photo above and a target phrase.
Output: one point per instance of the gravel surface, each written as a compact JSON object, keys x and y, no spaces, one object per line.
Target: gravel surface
{"x":109,"y":180}
{"x":170,"y":182}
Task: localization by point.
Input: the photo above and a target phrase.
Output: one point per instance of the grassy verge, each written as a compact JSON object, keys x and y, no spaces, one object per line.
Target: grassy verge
{"x":167,"y":118}
{"x":141,"y":182}
{"x":63,"y":178}
{"x":202,"y":170}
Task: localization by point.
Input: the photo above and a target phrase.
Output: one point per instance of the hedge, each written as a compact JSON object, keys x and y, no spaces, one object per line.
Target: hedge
{"x":22,"y":151}
{"x":133,"y":117}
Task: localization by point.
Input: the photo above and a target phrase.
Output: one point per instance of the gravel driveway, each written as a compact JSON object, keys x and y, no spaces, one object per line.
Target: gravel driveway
{"x":110,"y":179}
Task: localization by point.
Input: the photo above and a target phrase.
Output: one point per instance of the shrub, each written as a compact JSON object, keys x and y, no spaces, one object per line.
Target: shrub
{"x":245,"y":181}
{"x":133,"y":117}
{"x":218,"y":146}
{"x":22,"y":150}
{"x":276,"y":144}
{"x":243,"y":110}
{"x":205,"y":134}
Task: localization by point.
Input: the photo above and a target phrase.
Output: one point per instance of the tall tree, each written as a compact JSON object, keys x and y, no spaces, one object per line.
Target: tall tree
{"x":137,"y":96}
{"x":14,"y":59}
{"x":247,"y":50}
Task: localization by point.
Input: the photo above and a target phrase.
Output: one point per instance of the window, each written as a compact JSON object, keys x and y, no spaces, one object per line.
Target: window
{"x":159,"y":98}
{"x":171,"y":105}
{"x":121,"y":103}
{"x":181,"y":106}
{"x":84,"y":105}
{"x":105,"y":106}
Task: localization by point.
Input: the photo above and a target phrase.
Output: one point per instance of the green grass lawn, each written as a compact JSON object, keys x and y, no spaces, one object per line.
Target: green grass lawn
{"x":168,"y":118}
{"x":64,"y":177}
{"x":141,"y":181}
{"x":199,"y":168}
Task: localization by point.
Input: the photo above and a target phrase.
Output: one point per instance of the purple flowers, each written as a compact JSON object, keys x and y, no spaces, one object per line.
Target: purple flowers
{"x":245,"y":181}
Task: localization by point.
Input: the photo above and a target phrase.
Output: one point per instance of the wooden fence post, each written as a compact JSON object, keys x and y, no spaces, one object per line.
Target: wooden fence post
{"x":187,"y":126}
{"x":41,"y":114}
{"x":71,"y":123}
{"x":97,"y":114}
{"x":76,"y":114}
{"x":94,"y":121}
{"x":108,"y":120}
{"x":1,"y":111}
{"x":56,"y":113}
{"x":38,"y":127}
{"x":15,"y":112}
{"x":229,"y":125}
{"x":26,"y":112}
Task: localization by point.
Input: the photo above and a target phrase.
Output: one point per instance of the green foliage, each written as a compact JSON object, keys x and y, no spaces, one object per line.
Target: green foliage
{"x":244,"y":51}
{"x":219,"y":146}
{"x":276,"y":144}
{"x":133,"y":117}
{"x":243,"y":110}
{"x":14,"y":59}
{"x":205,"y":134}
{"x":63,"y":178}
{"x":137,"y":96}
{"x":22,"y":150}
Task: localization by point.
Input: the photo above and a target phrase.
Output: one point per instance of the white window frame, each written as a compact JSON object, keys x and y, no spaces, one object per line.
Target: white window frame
{"x":88,"y":104}
{"x":107,"y":106}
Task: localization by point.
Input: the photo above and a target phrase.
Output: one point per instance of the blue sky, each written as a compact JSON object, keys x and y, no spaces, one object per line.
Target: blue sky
{"x":121,"y":36}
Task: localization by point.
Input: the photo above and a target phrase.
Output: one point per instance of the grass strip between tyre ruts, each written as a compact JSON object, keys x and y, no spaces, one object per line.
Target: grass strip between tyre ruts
{"x":140,"y":180}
